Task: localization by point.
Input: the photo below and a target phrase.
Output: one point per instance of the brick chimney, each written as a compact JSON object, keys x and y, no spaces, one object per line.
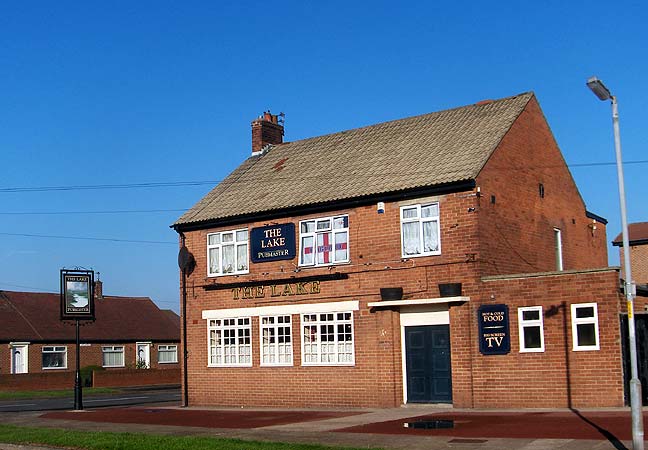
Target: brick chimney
{"x":98,"y":290}
{"x":266,"y":130}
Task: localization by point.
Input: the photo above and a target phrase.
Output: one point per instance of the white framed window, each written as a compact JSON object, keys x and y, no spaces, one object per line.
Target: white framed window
{"x":227,"y":253}
{"x":324,"y":241}
{"x":113,"y":356}
{"x":531,"y":329}
{"x":558,"y":249}
{"x":327,"y":339}
{"x":420,"y":230}
{"x":54,"y":357}
{"x":276,"y":341}
{"x":167,"y":354}
{"x":230,"y":342}
{"x":585,"y":332}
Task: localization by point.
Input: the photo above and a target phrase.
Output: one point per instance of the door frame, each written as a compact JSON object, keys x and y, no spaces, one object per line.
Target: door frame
{"x":420,"y":315}
{"x":25,"y":352}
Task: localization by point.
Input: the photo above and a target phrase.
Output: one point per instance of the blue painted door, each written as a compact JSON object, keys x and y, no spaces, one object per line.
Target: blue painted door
{"x":427,"y":352}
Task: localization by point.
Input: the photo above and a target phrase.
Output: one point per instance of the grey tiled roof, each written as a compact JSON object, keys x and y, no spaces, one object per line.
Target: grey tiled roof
{"x":427,"y":150}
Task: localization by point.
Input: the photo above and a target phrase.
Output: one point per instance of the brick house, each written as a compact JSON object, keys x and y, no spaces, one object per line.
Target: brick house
{"x":638,"y":241}
{"x":128,"y":332}
{"x":447,"y":257}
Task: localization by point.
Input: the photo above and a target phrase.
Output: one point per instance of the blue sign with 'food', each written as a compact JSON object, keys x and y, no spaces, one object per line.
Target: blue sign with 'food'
{"x":494,"y":335}
{"x":273,"y":242}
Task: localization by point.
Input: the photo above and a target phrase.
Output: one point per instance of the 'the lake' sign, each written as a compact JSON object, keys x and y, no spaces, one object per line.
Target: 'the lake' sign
{"x":273,"y":242}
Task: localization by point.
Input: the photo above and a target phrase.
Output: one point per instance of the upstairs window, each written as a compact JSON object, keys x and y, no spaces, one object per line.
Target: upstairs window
{"x":227,"y":253}
{"x":324,"y":241}
{"x":420,"y":230}
{"x":558,"y":246}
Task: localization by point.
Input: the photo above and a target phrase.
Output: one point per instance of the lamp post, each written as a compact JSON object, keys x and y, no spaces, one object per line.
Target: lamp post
{"x":603,"y":93}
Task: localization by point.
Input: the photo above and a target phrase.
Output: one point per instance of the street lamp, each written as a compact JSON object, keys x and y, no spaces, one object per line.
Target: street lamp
{"x":603,"y":93}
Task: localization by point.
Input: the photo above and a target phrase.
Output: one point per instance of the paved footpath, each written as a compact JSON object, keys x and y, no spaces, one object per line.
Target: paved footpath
{"x":366,"y":428}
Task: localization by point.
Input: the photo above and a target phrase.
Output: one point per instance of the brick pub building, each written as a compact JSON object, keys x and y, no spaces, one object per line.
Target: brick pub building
{"x":443,"y":258}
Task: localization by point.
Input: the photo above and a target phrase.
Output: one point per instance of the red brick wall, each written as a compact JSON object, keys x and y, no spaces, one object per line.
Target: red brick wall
{"x":376,"y":262}
{"x":37,"y":381}
{"x":135,"y":377}
{"x":516,"y":232}
{"x":558,"y":377}
{"x":638,"y":263}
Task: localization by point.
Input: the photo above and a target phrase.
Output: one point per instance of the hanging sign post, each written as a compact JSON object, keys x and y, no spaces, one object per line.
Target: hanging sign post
{"x":77,"y":303}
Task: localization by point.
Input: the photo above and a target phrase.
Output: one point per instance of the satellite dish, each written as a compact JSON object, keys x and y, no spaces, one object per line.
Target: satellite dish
{"x":186,"y":260}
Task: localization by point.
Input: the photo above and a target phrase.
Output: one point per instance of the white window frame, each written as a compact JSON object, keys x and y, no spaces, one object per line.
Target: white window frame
{"x":271,"y":356}
{"x":168,"y":349}
{"x":421,"y":221}
{"x":584,"y":321}
{"x":558,"y":248}
{"x":242,"y":352}
{"x":113,"y":349}
{"x":335,"y":233}
{"x":47,"y":349}
{"x":318,"y":323}
{"x":529,"y":323}
{"x":239,"y":268}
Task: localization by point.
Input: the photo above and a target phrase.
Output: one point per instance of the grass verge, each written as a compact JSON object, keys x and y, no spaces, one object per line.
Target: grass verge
{"x":19,"y":395}
{"x":12,"y":434}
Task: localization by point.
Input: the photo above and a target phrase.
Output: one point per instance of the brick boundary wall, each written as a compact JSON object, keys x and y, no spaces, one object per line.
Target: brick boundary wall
{"x":135,"y":377}
{"x":37,"y":381}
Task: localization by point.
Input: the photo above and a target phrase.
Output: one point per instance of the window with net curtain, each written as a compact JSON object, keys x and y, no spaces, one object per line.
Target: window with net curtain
{"x":420,"y":230}
{"x":227,"y":253}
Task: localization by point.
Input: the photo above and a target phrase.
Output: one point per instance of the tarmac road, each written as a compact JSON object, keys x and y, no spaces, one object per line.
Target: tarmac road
{"x":126,"y":397}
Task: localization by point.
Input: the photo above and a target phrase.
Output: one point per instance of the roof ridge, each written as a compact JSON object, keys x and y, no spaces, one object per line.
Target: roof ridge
{"x":403,"y":119}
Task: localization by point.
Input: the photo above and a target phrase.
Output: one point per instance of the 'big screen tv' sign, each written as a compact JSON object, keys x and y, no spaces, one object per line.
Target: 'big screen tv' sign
{"x":494,"y":335}
{"x":273,"y":242}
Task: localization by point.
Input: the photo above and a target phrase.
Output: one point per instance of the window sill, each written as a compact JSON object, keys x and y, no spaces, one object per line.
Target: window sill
{"x":319,"y":266}
{"x":420,"y":255}
{"x":167,"y":362}
{"x":54,"y":368}
{"x":225,"y":366}
{"x":328,"y":364}
{"x":586,"y":349}
{"x":233,"y":274}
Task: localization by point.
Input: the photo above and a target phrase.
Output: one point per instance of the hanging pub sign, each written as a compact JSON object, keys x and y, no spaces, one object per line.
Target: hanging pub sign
{"x":273,"y":242}
{"x":494,"y":336}
{"x":77,"y":294}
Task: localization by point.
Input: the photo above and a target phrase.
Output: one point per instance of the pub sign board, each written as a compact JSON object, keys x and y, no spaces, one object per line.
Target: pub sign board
{"x":273,"y":242}
{"x":77,"y":295}
{"x":494,"y":335}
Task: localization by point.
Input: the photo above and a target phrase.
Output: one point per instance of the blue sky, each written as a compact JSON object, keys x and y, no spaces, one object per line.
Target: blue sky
{"x":123,"y":93}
